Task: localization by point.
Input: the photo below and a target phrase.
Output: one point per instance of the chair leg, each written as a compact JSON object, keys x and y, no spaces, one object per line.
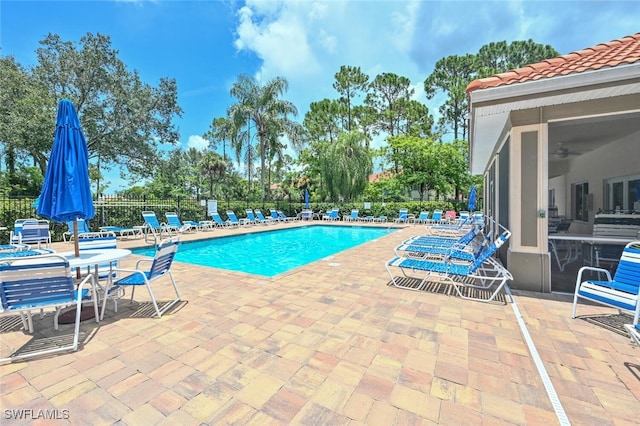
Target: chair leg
{"x":633,"y":333}
{"x":153,"y":299}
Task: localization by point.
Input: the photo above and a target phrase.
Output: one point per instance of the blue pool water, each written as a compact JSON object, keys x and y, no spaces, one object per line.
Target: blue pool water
{"x":273,"y":252}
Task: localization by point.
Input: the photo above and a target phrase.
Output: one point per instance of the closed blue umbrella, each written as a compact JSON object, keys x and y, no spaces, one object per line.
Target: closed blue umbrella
{"x":472,"y":199}
{"x":306,"y":198}
{"x":66,"y":192}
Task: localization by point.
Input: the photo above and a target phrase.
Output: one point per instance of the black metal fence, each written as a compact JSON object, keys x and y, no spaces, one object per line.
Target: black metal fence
{"x":114,"y":210}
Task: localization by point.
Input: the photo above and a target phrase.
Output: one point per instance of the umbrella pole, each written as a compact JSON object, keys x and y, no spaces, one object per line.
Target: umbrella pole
{"x":76,"y":245}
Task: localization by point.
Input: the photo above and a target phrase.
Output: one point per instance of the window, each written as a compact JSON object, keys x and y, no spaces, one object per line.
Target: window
{"x":623,"y":194}
{"x":581,"y":197}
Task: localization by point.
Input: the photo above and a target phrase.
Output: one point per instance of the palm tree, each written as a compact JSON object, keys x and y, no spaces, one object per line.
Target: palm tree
{"x":260,"y":107}
{"x":213,"y":167}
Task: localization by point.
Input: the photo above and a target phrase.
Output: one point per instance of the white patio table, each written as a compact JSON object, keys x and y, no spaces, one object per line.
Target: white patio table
{"x":574,"y":240}
{"x":95,"y":258}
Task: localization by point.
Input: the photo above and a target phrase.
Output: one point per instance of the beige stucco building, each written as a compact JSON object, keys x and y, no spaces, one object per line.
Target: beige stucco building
{"x":563,"y":137}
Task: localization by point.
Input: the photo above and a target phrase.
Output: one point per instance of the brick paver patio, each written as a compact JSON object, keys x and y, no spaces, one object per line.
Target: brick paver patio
{"x":329,"y":343}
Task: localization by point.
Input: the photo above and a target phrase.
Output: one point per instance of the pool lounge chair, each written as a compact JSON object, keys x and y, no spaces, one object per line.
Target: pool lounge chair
{"x":218,"y":222}
{"x":467,"y":248}
{"x":234,"y":219}
{"x":156,"y":229}
{"x":353,"y":217}
{"x":260,"y":217}
{"x":284,"y":217}
{"x":484,"y":273}
{"x":450,"y":216}
{"x":83,"y":227}
{"x":12,"y":248}
{"x":135,"y":232}
{"x":331,"y":214}
{"x":174,"y":221}
{"x":446,"y":241}
{"x":251,"y":217}
{"x":463,"y":216}
{"x":437,"y":217}
{"x":403,"y":216}
{"x":422,"y":217}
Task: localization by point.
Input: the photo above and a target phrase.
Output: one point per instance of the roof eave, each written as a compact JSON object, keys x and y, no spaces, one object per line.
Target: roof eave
{"x":538,"y":87}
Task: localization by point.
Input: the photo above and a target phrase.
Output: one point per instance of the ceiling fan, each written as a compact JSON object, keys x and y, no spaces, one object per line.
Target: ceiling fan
{"x":563,"y":152}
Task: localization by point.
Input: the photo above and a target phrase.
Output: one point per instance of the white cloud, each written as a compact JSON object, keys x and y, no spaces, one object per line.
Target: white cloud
{"x":307,"y":42}
{"x":197,"y":142}
{"x":278,"y":37}
{"x":403,"y":25}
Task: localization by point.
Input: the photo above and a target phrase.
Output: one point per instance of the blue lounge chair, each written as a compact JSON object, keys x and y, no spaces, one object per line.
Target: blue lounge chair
{"x":284,"y":217}
{"x":422,"y":217}
{"x":123,"y":232}
{"x":234,"y":219}
{"x":403,"y":216}
{"x":218,"y":222}
{"x":160,"y":267}
{"x":467,"y":248}
{"x":437,"y":217}
{"x":331,"y":214}
{"x":251,"y":217}
{"x":157,"y":229}
{"x":354,"y":216}
{"x":174,"y":221}
{"x":441,"y":241}
{"x":13,"y":248}
{"x":38,"y":283}
{"x":483,"y":273}
{"x":83,"y":228}
{"x":464,"y":216}
{"x":622,"y":292}
{"x":260,"y":217}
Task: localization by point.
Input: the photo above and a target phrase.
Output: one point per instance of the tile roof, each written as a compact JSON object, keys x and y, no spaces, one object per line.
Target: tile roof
{"x":623,"y":51}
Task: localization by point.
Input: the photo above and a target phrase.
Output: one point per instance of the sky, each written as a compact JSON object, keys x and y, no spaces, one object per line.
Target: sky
{"x":206,"y":44}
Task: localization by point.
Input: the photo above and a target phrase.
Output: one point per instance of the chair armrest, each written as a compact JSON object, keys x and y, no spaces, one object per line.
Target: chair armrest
{"x":88,"y":277}
{"x":131,"y":271}
{"x":591,"y":268}
{"x":139,"y":262}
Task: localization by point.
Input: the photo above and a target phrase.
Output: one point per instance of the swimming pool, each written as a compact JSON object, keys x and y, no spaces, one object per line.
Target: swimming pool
{"x":273,"y":252}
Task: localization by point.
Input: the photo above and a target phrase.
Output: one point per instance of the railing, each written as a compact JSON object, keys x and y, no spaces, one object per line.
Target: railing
{"x":125,"y":212}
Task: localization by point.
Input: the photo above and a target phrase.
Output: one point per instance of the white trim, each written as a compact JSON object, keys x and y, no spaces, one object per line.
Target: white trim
{"x":554,"y":99}
{"x":587,"y":116}
{"x":561,"y":415}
